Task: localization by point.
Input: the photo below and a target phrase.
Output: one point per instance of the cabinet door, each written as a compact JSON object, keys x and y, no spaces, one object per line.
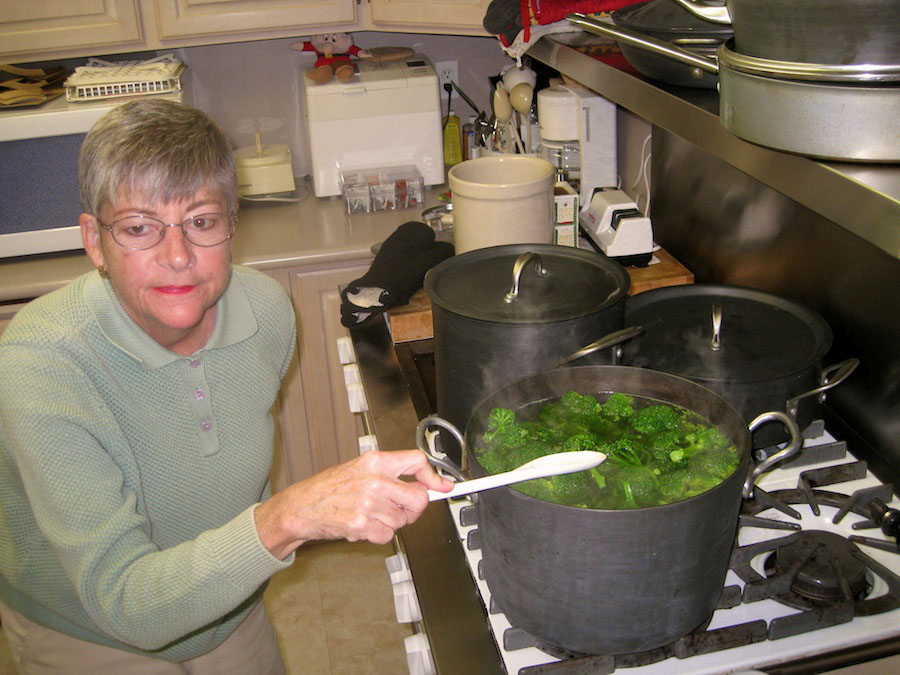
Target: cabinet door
{"x":57,"y":25}
{"x":187,"y":18}
{"x":448,"y":14}
{"x":333,"y":430}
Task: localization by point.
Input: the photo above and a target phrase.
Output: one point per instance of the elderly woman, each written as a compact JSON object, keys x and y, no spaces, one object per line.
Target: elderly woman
{"x":137,"y":529}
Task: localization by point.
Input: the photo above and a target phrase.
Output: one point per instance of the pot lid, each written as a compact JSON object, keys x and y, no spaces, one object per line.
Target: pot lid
{"x":666,"y":17}
{"x":761,"y":336}
{"x":574,"y":283}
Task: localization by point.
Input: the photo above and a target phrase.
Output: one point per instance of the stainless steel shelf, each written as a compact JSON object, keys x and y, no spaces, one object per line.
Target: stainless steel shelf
{"x":862,"y":198}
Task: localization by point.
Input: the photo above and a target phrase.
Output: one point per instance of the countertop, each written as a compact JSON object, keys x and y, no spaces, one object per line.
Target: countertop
{"x":314,"y":230}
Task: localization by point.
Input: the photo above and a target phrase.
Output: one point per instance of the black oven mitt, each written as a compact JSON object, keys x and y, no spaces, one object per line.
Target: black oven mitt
{"x":396,"y":273}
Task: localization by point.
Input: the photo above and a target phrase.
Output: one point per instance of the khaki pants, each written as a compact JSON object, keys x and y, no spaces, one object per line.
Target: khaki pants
{"x":250,"y":650}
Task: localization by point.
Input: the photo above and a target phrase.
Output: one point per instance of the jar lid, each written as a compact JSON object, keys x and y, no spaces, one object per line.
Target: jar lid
{"x":555,"y":284}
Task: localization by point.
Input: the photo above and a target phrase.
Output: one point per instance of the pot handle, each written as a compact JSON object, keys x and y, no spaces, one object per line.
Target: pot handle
{"x":646,"y":43}
{"x":610,"y":340}
{"x":520,"y":264}
{"x":831,"y":377}
{"x":443,"y":463}
{"x":789,"y":451}
{"x":712,"y":13}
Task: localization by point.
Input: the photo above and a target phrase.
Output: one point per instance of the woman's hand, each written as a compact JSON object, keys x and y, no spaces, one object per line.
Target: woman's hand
{"x":363,"y":499}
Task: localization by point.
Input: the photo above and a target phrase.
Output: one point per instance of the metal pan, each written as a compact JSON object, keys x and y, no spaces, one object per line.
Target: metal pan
{"x":845,"y":113}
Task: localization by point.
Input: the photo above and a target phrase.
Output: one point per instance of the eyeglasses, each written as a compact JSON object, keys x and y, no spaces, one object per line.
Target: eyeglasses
{"x":139,"y":233}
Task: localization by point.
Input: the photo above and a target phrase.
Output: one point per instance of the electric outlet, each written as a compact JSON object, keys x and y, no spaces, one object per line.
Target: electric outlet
{"x":447,"y":71}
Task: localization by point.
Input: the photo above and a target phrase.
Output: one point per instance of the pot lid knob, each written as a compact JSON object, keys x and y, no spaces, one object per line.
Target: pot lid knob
{"x":716,"y":343}
{"x":520,"y":264}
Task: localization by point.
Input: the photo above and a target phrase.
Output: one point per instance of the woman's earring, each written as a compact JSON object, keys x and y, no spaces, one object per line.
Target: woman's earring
{"x":102,"y":272}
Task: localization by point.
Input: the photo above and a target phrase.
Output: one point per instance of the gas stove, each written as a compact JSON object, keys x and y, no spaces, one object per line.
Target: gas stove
{"x":810,"y":567}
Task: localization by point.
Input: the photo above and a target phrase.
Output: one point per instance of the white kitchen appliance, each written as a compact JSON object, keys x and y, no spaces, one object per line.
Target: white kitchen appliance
{"x":263,"y":169}
{"x":388,"y":115}
{"x":616,"y":225}
{"x":578,"y":136}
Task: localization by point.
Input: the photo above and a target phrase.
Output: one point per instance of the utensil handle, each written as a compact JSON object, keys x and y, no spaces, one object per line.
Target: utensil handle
{"x":520,"y":264}
{"x":831,"y":377}
{"x":711,"y":13}
{"x":648,"y":44}
{"x":789,"y":451}
{"x":606,"y":341}
{"x":440,"y":462}
{"x":716,"y":343}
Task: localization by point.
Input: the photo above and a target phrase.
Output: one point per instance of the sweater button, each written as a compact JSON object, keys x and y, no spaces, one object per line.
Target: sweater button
{"x":206,"y":425}
{"x":198,"y":394}
{"x":195,"y":363}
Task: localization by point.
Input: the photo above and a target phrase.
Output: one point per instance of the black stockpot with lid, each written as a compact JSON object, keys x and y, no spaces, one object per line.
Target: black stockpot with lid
{"x":505,"y":312}
{"x":759,"y":351}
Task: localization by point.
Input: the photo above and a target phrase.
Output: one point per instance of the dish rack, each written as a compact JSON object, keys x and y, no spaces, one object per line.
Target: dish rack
{"x":103,"y":80}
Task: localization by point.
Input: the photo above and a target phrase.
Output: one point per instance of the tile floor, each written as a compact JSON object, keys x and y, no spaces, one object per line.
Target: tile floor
{"x":333,"y":611}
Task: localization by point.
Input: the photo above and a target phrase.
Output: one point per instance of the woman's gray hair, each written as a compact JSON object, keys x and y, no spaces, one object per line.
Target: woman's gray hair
{"x":158,"y":148}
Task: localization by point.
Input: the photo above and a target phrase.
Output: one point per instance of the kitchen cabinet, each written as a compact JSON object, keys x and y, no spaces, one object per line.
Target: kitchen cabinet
{"x":52,"y":29}
{"x":77,"y":26}
{"x":187,"y":18}
{"x":447,"y":16}
{"x":319,"y":428}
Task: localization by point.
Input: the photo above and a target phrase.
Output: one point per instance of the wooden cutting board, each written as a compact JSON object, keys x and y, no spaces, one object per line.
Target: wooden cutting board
{"x":413,"y":321}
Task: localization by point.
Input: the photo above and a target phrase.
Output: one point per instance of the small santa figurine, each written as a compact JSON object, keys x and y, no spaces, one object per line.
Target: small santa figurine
{"x":333,"y":51}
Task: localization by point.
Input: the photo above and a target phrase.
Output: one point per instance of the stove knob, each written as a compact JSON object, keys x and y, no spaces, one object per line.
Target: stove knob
{"x":345,"y":350}
{"x":367,"y":442}
{"x":887,"y":518}
{"x":418,"y":655}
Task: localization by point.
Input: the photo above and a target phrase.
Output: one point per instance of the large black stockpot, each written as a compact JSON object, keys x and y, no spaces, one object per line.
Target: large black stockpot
{"x":611,"y":581}
{"x":759,"y":351}
{"x":504,"y":312}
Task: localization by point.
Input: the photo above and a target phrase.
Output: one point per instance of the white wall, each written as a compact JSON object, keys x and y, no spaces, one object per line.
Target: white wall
{"x":258,"y":85}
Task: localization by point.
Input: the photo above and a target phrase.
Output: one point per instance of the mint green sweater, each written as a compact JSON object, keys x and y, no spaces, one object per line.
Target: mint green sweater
{"x":129,"y":474}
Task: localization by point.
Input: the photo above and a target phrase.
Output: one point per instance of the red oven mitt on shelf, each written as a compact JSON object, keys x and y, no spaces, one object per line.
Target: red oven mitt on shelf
{"x":396,"y":273}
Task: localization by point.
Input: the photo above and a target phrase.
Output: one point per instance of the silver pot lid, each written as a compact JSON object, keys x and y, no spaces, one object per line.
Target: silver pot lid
{"x":505,"y":284}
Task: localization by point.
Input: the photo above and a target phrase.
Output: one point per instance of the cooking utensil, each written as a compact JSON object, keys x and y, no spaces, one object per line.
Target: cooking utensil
{"x":832,"y":112}
{"x":482,"y":342}
{"x":758,"y":350}
{"x":811,"y":31}
{"x":668,"y":21}
{"x":542,"y":467}
{"x":579,"y":578}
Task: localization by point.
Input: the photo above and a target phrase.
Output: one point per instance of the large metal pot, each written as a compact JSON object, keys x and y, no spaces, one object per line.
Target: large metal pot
{"x":504,"y":312}
{"x":758,"y":350}
{"x":810,"y":31}
{"x":611,"y":581}
{"x":844,"y":112}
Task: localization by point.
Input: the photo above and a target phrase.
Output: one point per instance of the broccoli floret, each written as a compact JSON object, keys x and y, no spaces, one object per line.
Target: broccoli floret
{"x":639,"y":486}
{"x":502,"y":429}
{"x":656,"y":418}
{"x":569,"y":488}
{"x":578,"y":404}
{"x":672,"y":485}
{"x":580,"y":442}
{"x":702,"y":438}
{"x":720,"y":465}
{"x":624,"y":451}
{"x":617,"y":406}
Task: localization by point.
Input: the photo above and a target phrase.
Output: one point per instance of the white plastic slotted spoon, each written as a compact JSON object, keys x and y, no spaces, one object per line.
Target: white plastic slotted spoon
{"x":542,"y":467}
